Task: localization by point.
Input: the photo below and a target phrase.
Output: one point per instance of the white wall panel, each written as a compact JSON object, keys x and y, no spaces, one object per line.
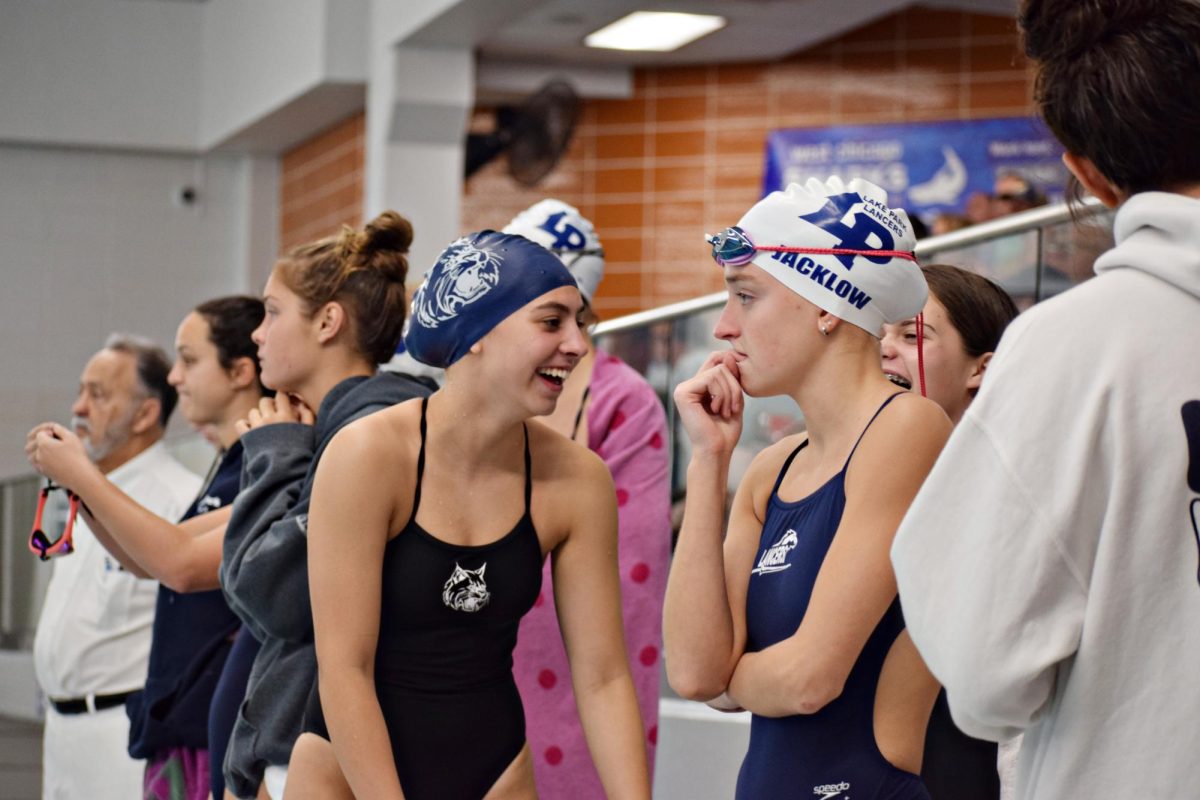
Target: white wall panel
{"x":92,"y":242}
{"x":119,"y":73}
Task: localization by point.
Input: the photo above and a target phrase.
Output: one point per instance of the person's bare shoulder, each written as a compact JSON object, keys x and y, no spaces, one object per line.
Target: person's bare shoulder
{"x":760,"y":476}
{"x":909,"y":421}
{"x":908,"y":435}
{"x":380,"y":446}
{"x":557,"y":459}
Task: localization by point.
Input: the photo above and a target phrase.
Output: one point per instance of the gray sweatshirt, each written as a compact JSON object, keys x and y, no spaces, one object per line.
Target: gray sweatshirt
{"x":264,"y":570}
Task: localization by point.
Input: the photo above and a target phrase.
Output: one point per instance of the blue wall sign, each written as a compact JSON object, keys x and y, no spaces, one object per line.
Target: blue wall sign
{"x":927,"y":168}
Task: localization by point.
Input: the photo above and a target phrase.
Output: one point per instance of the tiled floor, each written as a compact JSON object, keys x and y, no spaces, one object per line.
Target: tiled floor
{"x":20,"y":760}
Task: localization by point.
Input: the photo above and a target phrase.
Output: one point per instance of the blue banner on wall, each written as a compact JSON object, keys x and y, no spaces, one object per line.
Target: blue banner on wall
{"x":927,"y":168}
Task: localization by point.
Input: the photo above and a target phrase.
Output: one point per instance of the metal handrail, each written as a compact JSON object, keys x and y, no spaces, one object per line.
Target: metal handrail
{"x":1020,"y":222}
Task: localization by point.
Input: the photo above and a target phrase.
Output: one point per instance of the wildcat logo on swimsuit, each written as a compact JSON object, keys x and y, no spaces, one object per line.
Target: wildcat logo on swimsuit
{"x":468,"y":273}
{"x":466,"y":590}
{"x":774,"y":558}
{"x":828,"y":791}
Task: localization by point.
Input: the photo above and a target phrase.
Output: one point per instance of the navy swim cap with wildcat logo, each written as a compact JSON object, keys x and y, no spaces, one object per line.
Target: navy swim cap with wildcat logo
{"x":477,"y":282}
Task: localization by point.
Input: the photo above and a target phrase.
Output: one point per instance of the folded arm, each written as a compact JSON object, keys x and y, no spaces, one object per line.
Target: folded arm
{"x":264,"y":570}
{"x":855,"y":585}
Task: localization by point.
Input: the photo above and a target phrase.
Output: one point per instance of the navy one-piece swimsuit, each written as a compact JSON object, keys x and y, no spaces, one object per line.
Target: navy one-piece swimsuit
{"x":443,"y":664}
{"x":832,"y":754}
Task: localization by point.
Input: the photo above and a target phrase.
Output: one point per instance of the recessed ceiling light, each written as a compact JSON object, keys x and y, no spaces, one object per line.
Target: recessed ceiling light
{"x":654,"y":30}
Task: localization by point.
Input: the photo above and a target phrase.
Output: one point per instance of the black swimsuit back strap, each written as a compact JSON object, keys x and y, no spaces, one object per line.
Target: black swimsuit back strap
{"x":420,"y":462}
{"x":783,"y":470}
{"x":528,"y":470}
{"x":874,"y":416}
{"x":579,"y":414}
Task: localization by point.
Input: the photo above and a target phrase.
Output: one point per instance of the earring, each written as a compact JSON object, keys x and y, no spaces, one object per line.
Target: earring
{"x":824,"y":330}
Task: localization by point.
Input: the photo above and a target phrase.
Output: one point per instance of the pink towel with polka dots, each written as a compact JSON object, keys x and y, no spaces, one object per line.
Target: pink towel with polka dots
{"x":628,"y":429}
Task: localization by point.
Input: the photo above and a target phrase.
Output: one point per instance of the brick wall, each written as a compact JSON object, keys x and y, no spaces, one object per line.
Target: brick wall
{"x":685,"y":154}
{"x":321,"y":184}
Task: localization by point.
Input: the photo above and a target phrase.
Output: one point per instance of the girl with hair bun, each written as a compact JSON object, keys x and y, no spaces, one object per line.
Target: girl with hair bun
{"x":334,"y":311}
{"x":790,"y":610}
{"x":419,"y":584}
{"x":1048,"y":565}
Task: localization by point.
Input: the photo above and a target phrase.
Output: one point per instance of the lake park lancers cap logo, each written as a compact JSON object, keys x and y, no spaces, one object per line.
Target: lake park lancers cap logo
{"x":863,"y":289}
{"x":561,"y":229}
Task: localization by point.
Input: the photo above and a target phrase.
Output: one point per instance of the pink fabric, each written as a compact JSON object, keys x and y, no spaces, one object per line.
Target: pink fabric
{"x":177,"y":773}
{"x":628,"y":429}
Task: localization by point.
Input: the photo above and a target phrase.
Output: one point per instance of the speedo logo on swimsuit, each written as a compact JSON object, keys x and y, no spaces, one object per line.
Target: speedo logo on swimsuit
{"x":774,"y":558}
{"x":825,"y":277}
{"x":827,"y":791}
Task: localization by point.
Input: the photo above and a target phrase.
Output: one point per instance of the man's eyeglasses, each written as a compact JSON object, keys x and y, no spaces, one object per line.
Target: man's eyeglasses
{"x":733,"y":247}
{"x":39,"y":543}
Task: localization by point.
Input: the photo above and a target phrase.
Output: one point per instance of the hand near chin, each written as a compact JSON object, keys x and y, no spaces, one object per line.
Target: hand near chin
{"x":272,"y":410}
{"x":710,"y":404}
{"x":58,"y":454}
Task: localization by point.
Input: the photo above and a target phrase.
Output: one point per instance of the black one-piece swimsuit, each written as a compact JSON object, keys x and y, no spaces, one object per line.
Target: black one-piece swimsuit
{"x":443,"y":664}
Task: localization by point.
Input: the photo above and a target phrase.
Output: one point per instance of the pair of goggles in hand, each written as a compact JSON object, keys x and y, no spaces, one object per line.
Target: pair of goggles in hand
{"x":733,"y":247}
{"x":39,"y":543}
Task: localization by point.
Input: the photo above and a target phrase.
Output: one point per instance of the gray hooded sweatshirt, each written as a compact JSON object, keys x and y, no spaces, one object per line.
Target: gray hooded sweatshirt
{"x":264,"y":569}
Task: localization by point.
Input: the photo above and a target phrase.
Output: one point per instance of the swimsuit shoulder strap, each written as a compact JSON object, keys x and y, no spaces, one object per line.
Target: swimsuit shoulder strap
{"x":874,"y":416}
{"x":420,"y":462}
{"x":786,"y":464}
{"x":528,"y":470}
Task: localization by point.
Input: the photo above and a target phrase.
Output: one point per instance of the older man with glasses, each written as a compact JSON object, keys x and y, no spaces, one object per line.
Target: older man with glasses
{"x":93,"y":637}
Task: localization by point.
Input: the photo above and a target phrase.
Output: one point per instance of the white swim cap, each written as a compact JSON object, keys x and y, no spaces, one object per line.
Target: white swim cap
{"x":562,"y":230}
{"x":863,"y":289}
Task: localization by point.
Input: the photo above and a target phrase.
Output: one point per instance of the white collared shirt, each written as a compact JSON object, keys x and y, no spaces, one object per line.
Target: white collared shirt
{"x":93,"y":636}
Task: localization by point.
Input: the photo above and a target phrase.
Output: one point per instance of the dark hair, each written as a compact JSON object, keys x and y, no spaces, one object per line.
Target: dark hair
{"x":231,"y":320}
{"x":152,"y":370}
{"x":1117,"y":83}
{"x":978,"y":309}
{"x":365,"y":272}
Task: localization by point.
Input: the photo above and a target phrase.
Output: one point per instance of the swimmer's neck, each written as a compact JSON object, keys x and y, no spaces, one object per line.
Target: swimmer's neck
{"x":470,"y":429}
{"x":836,"y":393}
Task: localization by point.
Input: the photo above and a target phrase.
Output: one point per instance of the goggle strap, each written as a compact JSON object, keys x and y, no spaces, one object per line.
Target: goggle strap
{"x":921,"y":351}
{"x":841,"y":251}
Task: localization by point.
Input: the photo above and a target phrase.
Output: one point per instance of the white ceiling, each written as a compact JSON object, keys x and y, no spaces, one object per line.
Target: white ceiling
{"x":550,"y":32}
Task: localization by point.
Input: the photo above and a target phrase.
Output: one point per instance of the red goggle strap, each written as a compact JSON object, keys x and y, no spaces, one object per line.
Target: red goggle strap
{"x":39,"y":543}
{"x":921,"y":351}
{"x":841,"y":251}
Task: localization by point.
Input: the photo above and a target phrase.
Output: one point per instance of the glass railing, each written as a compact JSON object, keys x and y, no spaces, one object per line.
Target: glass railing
{"x":1033,"y":255}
